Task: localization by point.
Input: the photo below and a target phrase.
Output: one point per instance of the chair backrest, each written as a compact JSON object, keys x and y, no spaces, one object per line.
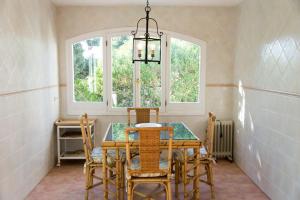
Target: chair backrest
{"x":86,"y":137}
{"x":142,"y":114}
{"x":149,"y":149}
{"x":210,"y":133}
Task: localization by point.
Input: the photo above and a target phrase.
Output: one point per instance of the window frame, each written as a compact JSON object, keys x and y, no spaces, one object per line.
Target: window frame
{"x":192,"y":108}
{"x":73,"y":107}
{"x":110,"y":108}
{"x":105,"y":107}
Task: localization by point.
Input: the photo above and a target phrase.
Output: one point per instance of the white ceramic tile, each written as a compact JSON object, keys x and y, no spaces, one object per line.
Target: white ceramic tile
{"x":267,"y":57}
{"x":28,"y":55}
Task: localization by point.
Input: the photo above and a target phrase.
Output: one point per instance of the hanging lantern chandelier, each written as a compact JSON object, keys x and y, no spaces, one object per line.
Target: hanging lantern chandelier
{"x":146,"y":46}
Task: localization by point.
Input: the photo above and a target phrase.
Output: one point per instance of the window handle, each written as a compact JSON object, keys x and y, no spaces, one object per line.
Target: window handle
{"x":137,"y":81}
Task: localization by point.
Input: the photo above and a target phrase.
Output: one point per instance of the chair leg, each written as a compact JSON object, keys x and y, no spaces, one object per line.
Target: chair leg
{"x":91,"y":177}
{"x":207,"y":171}
{"x":111,"y":174}
{"x":211,"y":181}
{"x":183,"y":180}
{"x":87,"y":179}
{"x":169,"y":194}
{"x":176,"y":177}
{"x":165,"y":185}
{"x":129,"y":190}
{"x":180,"y":174}
{"x":86,"y":196}
{"x":87,"y":182}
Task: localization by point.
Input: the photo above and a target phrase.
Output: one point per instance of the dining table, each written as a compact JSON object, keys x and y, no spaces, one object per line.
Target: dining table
{"x":114,"y":139}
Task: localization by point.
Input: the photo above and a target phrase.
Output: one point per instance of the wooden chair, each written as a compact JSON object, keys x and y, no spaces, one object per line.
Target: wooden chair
{"x":93,"y":156}
{"x":142,"y":114}
{"x":148,"y":167}
{"x":207,"y":154}
{"x":206,"y":160}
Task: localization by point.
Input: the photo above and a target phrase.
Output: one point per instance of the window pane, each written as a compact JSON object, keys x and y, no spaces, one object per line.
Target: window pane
{"x":122,"y":71}
{"x":88,"y":70}
{"x":150,"y":85}
{"x":185,"y":71}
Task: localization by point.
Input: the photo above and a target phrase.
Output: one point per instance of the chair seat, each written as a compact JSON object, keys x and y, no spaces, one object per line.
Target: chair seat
{"x":135,"y":165}
{"x":178,"y":154}
{"x":111,"y":156}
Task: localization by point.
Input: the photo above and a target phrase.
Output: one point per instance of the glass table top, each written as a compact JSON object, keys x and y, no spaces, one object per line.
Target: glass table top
{"x":116,"y":132}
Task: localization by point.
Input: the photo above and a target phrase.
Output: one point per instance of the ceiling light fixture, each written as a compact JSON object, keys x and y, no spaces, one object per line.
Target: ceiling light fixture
{"x":146,"y":46}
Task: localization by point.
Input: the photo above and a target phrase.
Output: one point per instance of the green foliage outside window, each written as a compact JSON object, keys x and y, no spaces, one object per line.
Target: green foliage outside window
{"x":185,"y":72}
{"x":122,"y":71}
{"x":150,"y":85}
{"x":88,"y":73}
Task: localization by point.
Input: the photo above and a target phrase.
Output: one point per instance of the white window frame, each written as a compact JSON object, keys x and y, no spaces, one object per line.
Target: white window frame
{"x":76,"y":108}
{"x":105,"y":107}
{"x":111,"y":109}
{"x":187,"y":108}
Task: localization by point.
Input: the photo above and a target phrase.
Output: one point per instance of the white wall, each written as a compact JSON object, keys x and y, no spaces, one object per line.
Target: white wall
{"x":214,"y":25}
{"x":28,"y":94}
{"x":267,"y":103}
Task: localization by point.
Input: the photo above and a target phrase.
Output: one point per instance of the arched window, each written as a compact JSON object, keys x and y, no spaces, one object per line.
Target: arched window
{"x":88,"y":70}
{"x":103,"y":80}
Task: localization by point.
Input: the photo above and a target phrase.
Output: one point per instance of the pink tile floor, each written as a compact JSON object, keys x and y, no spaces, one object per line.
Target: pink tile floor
{"x":67,"y":182}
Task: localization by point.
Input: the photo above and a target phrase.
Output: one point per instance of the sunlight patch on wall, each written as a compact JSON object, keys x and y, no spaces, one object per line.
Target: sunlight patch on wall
{"x":242,"y":104}
{"x":251,"y":123}
{"x":258,"y":159}
{"x":250,"y":147}
{"x":258,"y":176}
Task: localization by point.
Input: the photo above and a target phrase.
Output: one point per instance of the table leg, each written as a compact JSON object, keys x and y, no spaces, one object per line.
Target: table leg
{"x":197,"y":173}
{"x":104,"y":174}
{"x":184,"y":174}
{"x":118,"y":173}
{"x":122,"y":179}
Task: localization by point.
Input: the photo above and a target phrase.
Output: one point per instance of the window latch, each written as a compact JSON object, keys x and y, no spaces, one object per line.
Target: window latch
{"x":137,"y":81}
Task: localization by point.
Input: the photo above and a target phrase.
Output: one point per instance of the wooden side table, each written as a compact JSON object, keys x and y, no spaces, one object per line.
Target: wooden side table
{"x":68,"y":132}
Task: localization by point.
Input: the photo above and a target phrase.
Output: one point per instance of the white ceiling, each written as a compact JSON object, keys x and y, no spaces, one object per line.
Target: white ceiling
{"x":152,"y":2}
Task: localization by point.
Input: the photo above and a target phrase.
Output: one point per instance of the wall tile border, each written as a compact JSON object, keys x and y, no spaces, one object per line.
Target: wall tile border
{"x":254,"y":88}
{"x":220,"y":85}
{"x":269,"y":91}
{"x":28,"y":90}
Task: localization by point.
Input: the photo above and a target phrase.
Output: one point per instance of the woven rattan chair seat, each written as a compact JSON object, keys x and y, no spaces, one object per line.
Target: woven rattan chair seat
{"x":178,"y":154}
{"x":111,"y":156}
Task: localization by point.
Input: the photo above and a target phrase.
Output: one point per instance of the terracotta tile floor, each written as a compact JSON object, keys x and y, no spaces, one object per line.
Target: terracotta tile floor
{"x":67,"y":182}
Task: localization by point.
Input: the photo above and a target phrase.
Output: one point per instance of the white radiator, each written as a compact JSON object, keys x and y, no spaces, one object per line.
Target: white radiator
{"x":223,"y":139}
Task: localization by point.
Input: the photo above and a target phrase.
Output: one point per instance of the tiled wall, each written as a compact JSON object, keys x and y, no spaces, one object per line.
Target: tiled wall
{"x":214,"y":25}
{"x":28,"y":94}
{"x":267,"y":101}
